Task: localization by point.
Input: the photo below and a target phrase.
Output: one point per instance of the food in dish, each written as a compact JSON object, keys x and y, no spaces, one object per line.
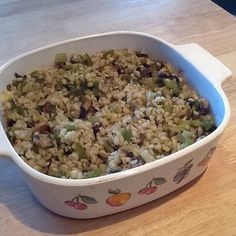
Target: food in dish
{"x":92,"y":115}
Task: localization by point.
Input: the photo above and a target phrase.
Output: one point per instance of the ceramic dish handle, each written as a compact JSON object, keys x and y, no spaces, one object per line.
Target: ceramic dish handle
{"x":210,"y":66}
{"x":5,"y":146}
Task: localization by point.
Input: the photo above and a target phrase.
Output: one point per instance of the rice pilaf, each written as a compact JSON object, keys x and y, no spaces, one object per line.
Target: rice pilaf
{"x":91,"y":115}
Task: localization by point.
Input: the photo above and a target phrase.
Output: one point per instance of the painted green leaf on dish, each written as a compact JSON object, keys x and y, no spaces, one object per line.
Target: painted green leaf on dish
{"x":88,"y":200}
{"x":159,"y":181}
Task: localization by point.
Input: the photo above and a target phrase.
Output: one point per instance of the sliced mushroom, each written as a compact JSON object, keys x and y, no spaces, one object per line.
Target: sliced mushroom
{"x":48,"y":108}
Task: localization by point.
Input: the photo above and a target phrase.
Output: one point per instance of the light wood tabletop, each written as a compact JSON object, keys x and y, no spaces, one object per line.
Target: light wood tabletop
{"x":206,"y":206}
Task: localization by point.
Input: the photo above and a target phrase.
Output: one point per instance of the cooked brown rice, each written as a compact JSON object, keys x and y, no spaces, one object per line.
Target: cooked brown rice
{"x":94,"y":115}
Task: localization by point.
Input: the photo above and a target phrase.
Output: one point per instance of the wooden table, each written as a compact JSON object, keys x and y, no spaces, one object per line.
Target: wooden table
{"x":205,"y":207}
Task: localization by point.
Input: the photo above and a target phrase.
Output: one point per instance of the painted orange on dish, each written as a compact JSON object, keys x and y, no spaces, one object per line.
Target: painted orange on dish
{"x":118,"y":199}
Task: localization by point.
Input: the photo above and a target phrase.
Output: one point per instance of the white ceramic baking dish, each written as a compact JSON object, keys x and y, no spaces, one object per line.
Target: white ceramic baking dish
{"x":88,"y":198}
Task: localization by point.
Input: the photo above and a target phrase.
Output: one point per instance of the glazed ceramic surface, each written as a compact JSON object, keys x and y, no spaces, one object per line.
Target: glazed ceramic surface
{"x":88,"y":198}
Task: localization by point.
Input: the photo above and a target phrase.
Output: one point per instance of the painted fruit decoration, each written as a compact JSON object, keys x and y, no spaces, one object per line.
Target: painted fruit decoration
{"x":117,"y":198}
{"x":151,"y":186}
{"x":205,"y":160}
{"x":183,"y":172}
{"x":80,"y":202}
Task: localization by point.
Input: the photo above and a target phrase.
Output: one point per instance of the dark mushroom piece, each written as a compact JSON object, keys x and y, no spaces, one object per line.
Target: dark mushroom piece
{"x":174,"y":77}
{"x":68,"y":151}
{"x":203,"y":107}
{"x":10,"y":122}
{"x":141,"y":139}
{"x":19,"y":76}
{"x":30,"y":124}
{"x":130,"y":154}
{"x":163,"y":74}
{"x":96,"y":128}
{"x":48,"y":108}
{"x":9,"y":87}
{"x":146,"y":72}
{"x":83,"y":113}
{"x":114,"y":169}
{"x":141,"y":54}
{"x":42,"y":128}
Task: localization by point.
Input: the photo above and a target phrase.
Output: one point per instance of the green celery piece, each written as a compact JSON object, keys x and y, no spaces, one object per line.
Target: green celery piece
{"x":171,"y":84}
{"x":127,"y":134}
{"x":70,"y":127}
{"x":81,"y":151}
{"x":168,"y":108}
{"x":184,"y":125}
{"x":56,"y":133}
{"x":60,"y":59}
{"x":83,"y":88}
{"x":108,"y":52}
{"x":97,"y":172}
{"x":96,"y":90}
{"x":207,"y":122}
{"x":187,"y":134}
{"x":20,"y":109}
{"x":151,"y":84}
{"x":195,"y":123}
{"x":87,"y":60}
{"x":35,"y":74}
{"x":115,"y":107}
{"x":73,"y":90}
{"x":186,"y":137}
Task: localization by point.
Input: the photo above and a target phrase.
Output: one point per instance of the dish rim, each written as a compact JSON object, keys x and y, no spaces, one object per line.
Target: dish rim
{"x":127,"y":173}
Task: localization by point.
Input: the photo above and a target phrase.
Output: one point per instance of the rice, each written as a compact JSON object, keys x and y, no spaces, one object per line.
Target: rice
{"x":92,"y":115}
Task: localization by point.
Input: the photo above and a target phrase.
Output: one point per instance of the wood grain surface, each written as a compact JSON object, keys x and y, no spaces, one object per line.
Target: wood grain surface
{"x":206,"y":206}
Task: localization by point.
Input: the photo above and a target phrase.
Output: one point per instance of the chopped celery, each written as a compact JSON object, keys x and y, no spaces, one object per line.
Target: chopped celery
{"x":187,"y":134}
{"x":16,"y":82}
{"x":70,"y":127}
{"x":115,"y":107}
{"x":186,"y":137}
{"x":60,"y":59}
{"x":127,"y":134}
{"x":96,"y":90}
{"x":20,"y":110}
{"x":168,"y":108}
{"x":61,"y":158}
{"x":108,"y":52}
{"x":35,"y":74}
{"x":73,"y":90}
{"x":207,"y":123}
{"x":195,"y":123}
{"x":56,"y":133}
{"x":83,"y":88}
{"x":171,"y":84}
{"x":55,"y":173}
{"x":184,"y":125}
{"x":150,"y":83}
{"x":39,"y":76}
{"x":81,"y":151}
{"x":95,"y":173}
{"x":87,"y":60}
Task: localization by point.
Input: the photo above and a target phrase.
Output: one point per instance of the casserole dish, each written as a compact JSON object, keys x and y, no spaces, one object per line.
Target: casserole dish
{"x":104,"y":195}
